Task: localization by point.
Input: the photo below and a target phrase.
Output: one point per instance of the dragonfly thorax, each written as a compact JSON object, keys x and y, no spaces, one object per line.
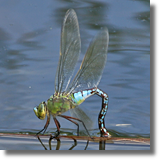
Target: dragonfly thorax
{"x":57,"y":105}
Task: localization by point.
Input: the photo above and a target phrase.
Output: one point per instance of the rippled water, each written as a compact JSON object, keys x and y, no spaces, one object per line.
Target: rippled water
{"x":29,"y":53}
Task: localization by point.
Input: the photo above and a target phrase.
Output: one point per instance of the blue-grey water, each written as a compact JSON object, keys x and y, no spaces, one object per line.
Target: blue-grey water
{"x":29,"y":53}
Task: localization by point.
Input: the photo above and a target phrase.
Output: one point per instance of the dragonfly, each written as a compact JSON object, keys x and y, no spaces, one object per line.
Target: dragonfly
{"x":71,"y":92}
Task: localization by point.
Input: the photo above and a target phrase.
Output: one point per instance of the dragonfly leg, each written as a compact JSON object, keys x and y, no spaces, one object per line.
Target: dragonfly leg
{"x":58,"y":127}
{"x":69,"y":118}
{"x":46,"y":125}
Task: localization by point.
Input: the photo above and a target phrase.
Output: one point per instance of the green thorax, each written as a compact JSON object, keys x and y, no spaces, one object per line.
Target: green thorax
{"x":57,"y":105}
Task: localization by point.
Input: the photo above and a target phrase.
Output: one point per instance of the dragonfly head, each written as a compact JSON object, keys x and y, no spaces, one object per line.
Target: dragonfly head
{"x":41,"y":110}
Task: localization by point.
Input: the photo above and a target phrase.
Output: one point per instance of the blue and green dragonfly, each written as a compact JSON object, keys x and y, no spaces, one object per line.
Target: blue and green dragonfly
{"x":69,"y":94}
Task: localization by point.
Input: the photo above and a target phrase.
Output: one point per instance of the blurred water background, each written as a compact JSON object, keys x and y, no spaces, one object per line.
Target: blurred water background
{"x":29,"y":53}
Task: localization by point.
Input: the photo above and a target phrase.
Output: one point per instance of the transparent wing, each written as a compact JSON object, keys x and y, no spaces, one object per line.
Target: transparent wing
{"x":80,"y":114}
{"x":92,"y":66}
{"x":69,"y":51}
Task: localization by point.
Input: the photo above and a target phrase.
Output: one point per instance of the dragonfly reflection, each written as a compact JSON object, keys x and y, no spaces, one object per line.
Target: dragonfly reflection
{"x":57,"y":142}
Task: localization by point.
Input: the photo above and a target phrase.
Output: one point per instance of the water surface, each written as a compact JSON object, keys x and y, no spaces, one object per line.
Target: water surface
{"x":29,"y":53}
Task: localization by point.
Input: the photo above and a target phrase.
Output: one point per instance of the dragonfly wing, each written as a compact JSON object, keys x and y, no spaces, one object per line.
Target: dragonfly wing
{"x":69,"y":51}
{"x":80,"y":114}
{"x":92,"y":66}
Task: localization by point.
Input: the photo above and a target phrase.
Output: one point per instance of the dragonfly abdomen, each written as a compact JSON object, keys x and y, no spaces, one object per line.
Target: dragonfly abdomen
{"x":79,"y":97}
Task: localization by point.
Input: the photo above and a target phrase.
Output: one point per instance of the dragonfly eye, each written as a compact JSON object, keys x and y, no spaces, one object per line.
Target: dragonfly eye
{"x":40,"y":111}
